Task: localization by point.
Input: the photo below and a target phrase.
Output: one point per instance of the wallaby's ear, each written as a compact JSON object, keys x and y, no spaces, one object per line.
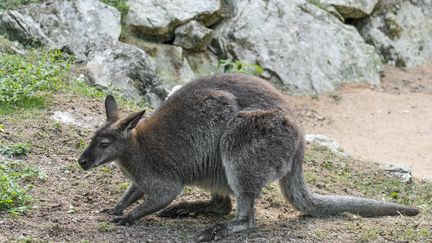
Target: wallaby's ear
{"x":111,"y":109}
{"x":132,"y":121}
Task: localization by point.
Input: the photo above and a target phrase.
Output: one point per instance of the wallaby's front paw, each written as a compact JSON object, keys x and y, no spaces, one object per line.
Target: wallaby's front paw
{"x":112,"y":211}
{"x":214,"y":232}
{"x":126,"y":221}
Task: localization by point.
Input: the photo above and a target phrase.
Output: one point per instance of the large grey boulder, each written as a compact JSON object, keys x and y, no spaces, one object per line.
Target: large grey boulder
{"x":23,"y":28}
{"x":128,"y":70}
{"x":401,"y":31}
{"x":193,"y":36}
{"x":351,"y":8}
{"x":302,"y":48}
{"x":157,"y":20}
{"x":75,"y":25}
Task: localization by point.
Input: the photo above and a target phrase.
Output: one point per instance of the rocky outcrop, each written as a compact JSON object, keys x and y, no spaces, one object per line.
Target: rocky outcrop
{"x":23,"y":28}
{"x":76,"y":26}
{"x":157,"y":20}
{"x":302,"y":48}
{"x":401,"y":31}
{"x":193,"y":36}
{"x":126,"y":69}
{"x":350,"y":8}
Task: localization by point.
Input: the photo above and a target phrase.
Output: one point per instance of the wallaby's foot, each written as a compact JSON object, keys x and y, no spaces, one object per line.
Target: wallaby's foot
{"x":222,"y":230}
{"x":112,"y":211}
{"x":123,"y":220}
{"x":218,"y":205}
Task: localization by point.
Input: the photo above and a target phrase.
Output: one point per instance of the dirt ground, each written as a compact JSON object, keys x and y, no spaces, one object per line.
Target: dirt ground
{"x":385,"y":124}
{"x":390,"y":124}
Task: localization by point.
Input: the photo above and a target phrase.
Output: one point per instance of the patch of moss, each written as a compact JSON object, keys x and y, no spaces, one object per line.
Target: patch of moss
{"x":392,"y":29}
{"x":13,"y":4}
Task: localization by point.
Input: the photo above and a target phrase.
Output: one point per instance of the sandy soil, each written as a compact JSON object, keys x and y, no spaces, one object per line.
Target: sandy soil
{"x":390,"y":124}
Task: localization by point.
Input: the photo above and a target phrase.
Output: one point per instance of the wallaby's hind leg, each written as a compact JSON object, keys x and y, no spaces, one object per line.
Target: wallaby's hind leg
{"x":218,"y":205}
{"x":256,"y":148}
{"x":131,"y":195}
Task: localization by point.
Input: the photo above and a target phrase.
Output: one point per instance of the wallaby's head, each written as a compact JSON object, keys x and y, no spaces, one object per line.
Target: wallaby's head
{"x":110,"y":141}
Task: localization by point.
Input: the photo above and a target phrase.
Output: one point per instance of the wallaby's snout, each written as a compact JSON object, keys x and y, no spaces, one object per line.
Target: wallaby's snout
{"x":85,"y":162}
{"x":82,"y":162}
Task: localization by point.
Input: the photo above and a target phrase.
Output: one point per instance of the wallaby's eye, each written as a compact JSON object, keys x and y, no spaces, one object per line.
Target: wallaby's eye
{"x":104,"y":143}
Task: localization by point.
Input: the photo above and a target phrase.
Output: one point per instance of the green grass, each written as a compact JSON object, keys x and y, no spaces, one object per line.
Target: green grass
{"x":27,"y":81}
{"x":16,"y":178}
{"x":15,"y":183}
{"x":14,"y":150}
{"x":105,"y":227}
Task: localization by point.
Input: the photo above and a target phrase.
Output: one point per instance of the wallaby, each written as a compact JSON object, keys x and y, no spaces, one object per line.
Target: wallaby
{"x":231,"y":134}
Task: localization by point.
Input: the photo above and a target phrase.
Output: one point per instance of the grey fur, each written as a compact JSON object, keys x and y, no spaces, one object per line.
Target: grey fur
{"x":230,"y":134}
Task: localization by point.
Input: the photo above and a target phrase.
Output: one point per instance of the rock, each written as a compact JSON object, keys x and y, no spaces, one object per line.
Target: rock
{"x":75,"y":25}
{"x":193,"y":36}
{"x":326,"y":142}
{"x":169,"y":61}
{"x":401,"y":31}
{"x":302,"y":48}
{"x":352,"y":8}
{"x":401,"y":171}
{"x":127,"y":69}
{"x":22,"y":28}
{"x":157,"y":20}
{"x":203,"y":63}
{"x":8,"y":47}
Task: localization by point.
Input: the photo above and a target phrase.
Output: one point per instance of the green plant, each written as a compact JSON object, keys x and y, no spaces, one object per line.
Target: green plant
{"x":13,"y":196}
{"x":231,"y":66}
{"x":15,"y":150}
{"x":25,"y":81}
{"x":105,"y":227}
{"x":120,"y":5}
{"x":79,"y":86}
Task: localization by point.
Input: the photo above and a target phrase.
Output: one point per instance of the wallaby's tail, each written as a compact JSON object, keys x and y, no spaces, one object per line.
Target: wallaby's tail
{"x":295,"y":190}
